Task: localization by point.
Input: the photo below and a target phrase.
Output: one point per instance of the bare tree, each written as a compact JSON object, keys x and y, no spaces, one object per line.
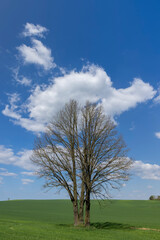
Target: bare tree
{"x":105,"y":162}
{"x":82,"y":153}
{"x":56,"y":156}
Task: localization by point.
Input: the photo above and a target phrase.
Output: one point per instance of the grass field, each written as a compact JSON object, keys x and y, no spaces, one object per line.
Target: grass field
{"x":52,"y":219}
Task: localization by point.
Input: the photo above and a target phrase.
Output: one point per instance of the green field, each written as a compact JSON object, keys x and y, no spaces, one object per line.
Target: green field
{"x":52,"y":219}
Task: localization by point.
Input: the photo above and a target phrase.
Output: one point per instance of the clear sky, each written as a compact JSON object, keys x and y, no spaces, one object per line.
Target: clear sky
{"x":51,"y":51}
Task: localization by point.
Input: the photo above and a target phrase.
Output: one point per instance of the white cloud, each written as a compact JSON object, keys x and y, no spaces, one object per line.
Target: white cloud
{"x":27,"y":181}
{"x":28,"y":173}
{"x":30,"y":124}
{"x":6,"y":155}
{"x":25,"y":81}
{"x":8,"y":174}
{"x":3,"y":169}
{"x":124,"y":99}
{"x":24,"y":159}
{"x":21,"y":159}
{"x":10,"y":111}
{"x":146,"y":170}
{"x":157,"y":99}
{"x":20,"y":78}
{"x":34,"y":30}
{"x":4,"y":172}
{"x":149,"y":187}
{"x":157,"y":134}
{"x":38,"y":54}
{"x":13,"y":99}
{"x":91,"y":83}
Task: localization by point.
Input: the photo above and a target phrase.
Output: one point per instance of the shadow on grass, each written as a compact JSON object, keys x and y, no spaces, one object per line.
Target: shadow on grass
{"x":64,"y":225}
{"x":111,"y":225}
{"x":103,"y":225}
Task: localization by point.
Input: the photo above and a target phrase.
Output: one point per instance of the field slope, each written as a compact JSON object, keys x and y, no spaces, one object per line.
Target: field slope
{"x":52,"y":219}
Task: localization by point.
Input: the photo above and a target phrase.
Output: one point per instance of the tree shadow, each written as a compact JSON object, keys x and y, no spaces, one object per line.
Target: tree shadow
{"x":111,"y":225}
{"x":64,"y":225}
{"x":102,"y":225}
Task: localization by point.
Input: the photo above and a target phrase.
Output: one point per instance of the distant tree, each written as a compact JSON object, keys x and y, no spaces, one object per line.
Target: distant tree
{"x":152,"y":197}
{"x":82,"y":153}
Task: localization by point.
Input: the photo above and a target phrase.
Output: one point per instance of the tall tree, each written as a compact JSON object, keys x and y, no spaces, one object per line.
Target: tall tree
{"x":82,"y":153}
{"x":105,"y":162}
{"x":56,"y":157}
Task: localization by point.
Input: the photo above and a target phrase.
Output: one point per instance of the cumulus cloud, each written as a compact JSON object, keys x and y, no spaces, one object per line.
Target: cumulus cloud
{"x":146,"y":170}
{"x":91,"y":83}
{"x":31,"y":30}
{"x":124,"y":99}
{"x":13,"y":111}
{"x":157,"y":134}
{"x":29,"y":124}
{"x":27,"y":181}
{"x":37,"y":54}
{"x":6,"y":155}
{"x":21,"y":159}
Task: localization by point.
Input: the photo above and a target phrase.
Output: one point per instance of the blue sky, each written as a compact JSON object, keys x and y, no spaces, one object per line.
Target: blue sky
{"x":51,"y":51}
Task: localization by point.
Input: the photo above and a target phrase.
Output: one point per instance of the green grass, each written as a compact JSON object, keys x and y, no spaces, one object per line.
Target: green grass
{"x":52,"y":219}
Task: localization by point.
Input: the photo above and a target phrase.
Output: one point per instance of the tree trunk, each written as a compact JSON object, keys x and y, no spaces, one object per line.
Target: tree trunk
{"x":81,"y":213}
{"x":75,"y":212}
{"x":87,"y":210}
{"x":81,"y":205}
